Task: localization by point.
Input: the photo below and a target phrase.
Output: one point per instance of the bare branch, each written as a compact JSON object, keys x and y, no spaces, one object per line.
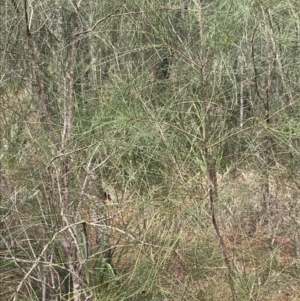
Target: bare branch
{"x":100,"y":21}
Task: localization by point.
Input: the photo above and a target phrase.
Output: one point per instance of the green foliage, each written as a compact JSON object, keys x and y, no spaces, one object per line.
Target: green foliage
{"x":172,"y":122}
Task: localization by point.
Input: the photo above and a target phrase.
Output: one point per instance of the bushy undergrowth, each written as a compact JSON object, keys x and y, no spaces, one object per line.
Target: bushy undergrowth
{"x":150,"y":152}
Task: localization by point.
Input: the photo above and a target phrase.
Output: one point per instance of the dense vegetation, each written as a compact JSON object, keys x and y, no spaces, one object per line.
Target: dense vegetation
{"x":149,"y":150}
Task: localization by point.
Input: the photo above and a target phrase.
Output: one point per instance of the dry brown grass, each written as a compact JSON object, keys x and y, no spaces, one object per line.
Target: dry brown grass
{"x":170,"y":246}
{"x":189,"y":262}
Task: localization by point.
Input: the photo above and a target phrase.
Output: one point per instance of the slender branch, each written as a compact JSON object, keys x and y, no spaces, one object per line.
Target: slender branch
{"x":38,"y":259}
{"x":100,"y":21}
{"x":36,"y":73}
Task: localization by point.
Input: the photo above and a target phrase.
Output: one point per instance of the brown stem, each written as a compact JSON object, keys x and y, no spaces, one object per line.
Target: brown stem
{"x":37,"y":76}
{"x":210,"y":160}
{"x":214,"y":197}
